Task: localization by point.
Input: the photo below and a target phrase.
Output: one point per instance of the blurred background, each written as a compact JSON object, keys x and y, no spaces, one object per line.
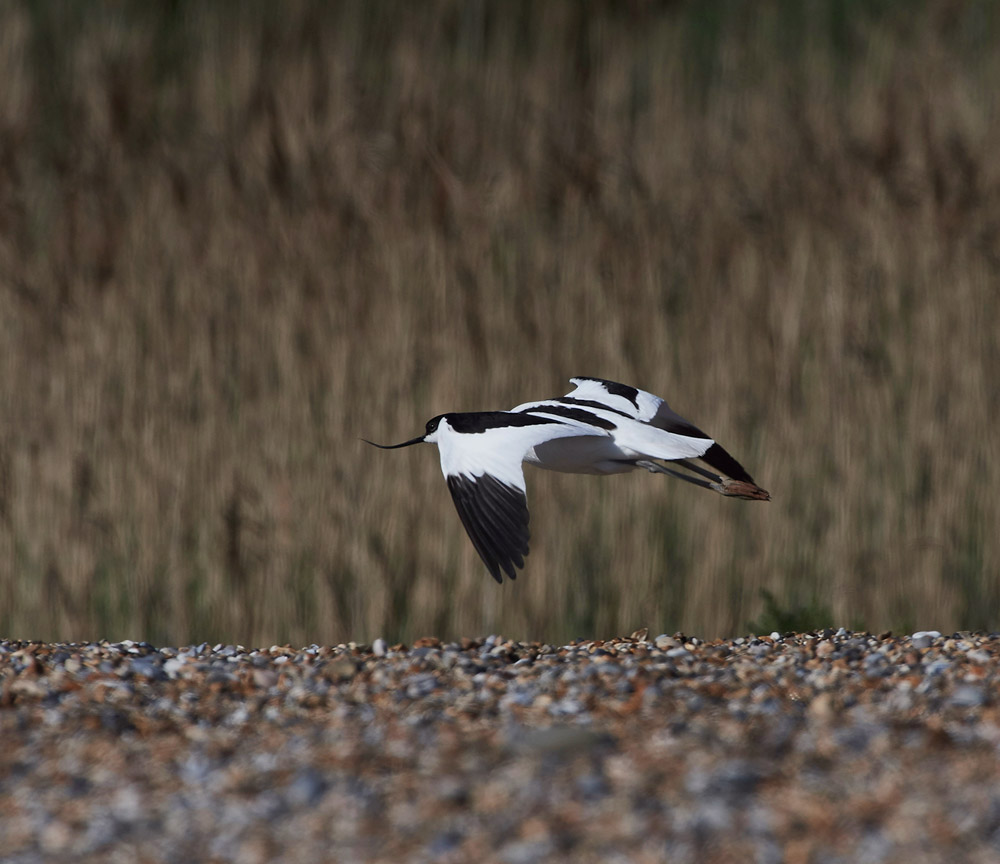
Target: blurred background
{"x":236,"y":237}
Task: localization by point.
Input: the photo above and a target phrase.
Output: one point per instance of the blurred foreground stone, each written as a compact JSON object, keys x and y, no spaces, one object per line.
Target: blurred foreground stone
{"x":824,"y":747}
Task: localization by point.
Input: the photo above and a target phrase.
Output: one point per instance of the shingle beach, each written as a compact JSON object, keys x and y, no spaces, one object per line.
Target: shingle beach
{"x":809,"y":748}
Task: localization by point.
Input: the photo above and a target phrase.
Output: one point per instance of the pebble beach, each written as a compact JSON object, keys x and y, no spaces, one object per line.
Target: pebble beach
{"x":833,"y":746}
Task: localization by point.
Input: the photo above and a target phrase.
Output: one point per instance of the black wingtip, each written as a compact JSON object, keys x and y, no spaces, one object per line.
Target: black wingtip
{"x":721,"y":461}
{"x":495,"y":517}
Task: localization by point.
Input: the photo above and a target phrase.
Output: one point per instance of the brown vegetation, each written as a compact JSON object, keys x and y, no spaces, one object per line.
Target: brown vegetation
{"x":236,"y":238}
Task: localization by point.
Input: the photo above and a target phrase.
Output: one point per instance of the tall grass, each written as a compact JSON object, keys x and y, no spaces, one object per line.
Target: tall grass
{"x":235,"y":238}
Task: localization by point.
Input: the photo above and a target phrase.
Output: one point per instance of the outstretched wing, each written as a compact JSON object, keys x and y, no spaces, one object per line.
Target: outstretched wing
{"x":648,"y":408}
{"x":481,"y":456}
{"x":495,"y":517}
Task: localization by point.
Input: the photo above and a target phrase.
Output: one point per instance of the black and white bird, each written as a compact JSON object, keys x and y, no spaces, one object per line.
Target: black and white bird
{"x":599,"y":428}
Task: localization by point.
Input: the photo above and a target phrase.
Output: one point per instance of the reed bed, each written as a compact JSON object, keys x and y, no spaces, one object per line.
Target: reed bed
{"x":236,"y":238}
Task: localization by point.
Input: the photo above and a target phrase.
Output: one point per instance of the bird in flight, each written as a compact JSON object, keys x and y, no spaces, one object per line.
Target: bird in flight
{"x":600,"y":427}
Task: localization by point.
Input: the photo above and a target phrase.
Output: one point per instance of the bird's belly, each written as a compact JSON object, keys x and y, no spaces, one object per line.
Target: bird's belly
{"x":585,"y":455}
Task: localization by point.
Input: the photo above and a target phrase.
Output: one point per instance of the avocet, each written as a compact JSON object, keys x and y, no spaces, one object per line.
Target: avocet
{"x":600,"y":427}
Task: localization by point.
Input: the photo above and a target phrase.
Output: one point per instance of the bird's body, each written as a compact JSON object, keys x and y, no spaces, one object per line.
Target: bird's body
{"x":600,"y":427}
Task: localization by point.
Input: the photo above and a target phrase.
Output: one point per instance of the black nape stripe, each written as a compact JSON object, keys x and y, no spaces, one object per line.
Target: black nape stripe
{"x":573,"y":414}
{"x":616,"y":389}
{"x":480,"y":421}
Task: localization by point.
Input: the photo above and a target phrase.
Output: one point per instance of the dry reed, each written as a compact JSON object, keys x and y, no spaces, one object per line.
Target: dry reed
{"x":233,"y":239}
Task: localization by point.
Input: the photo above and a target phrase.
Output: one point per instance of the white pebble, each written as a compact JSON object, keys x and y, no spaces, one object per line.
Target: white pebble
{"x":923,"y":638}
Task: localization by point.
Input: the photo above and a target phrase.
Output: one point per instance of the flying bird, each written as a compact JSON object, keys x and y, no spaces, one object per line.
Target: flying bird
{"x":600,"y":427}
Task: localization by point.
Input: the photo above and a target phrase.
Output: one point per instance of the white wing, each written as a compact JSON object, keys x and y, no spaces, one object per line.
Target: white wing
{"x":661,"y":432}
{"x":635,"y":403}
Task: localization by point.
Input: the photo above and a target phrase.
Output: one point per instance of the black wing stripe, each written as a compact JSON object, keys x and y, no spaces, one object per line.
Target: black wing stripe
{"x":616,"y":389}
{"x":720,"y":460}
{"x":590,"y":403}
{"x":579,"y":414}
{"x":495,"y":516}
